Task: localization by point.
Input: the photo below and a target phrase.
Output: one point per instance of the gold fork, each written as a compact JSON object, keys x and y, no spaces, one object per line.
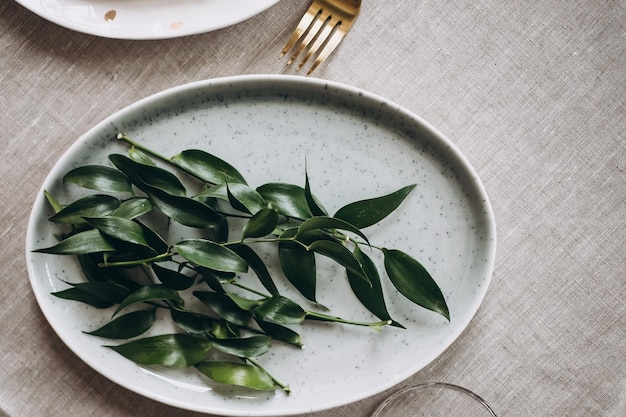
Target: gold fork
{"x":321,"y":29}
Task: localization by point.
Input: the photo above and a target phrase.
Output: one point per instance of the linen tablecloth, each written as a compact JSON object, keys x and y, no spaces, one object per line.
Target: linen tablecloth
{"x":532,"y":92}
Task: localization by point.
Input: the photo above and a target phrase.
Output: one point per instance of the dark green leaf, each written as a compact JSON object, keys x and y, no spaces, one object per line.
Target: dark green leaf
{"x":207,"y":167}
{"x":314,"y":205}
{"x":192,"y":322}
{"x":99,"y":177}
{"x":173,"y":279}
{"x":126,"y":326}
{"x":280,"y":332}
{"x":235,"y":373}
{"x":281,"y":310}
{"x":365,"y":213}
{"x":90,"y":265}
{"x":245,"y":347}
{"x":340,"y":254}
{"x":243,"y":302}
{"x":211,"y":279}
{"x":261,"y":224}
{"x":132,"y":208}
{"x":120,"y":228}
{"x":258,"y":266}
{"x":184,"y":210}
{"x":143,"y":174}
{"x":211,"y":255}
{"x":288,"y":199}
{"x":323,"y":222}
{"x":153,"y":292}
{"x":97,"y":294}
{"x":414,"y":282}
{"x":176,"y":350}
{"x":89,"y":241}
{"x":298,"y":265}
{"x":224,"y":306}
{"x":90,"y":206}
{"x":369,"y":294}
{"x":155,"y":241}
{"x":245,"y":199}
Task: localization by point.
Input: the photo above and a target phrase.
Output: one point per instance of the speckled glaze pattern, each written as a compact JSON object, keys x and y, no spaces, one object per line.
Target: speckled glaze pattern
{"x":146,"y":19}
{"x":355,"y":145}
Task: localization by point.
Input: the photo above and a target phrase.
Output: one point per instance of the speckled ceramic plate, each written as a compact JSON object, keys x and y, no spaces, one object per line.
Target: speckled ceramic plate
{"x":146,"y":19}
{"x":357,"y":145}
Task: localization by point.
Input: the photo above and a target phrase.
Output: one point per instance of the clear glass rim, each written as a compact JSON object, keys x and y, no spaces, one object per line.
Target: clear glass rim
{"x":426,"y":385}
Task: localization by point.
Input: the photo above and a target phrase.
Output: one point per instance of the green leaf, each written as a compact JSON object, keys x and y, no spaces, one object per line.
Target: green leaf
{"x":261,"y":224}
{"x":340,"y":254}
{"x":54,"y":204}
{"x":155,"y":241}
{"x":97,"y":294}
{"x":245,"y":199}
{"x":192,"y":322}
{"x":314,"y":205}
{"x":173,"y":279}
{"x":153,"y":292}
{"x":99,"y":177}
{"x":414,"y":282}
{"x":280,"y":332}
{"x":152,"y":176}
{"x":366,"y":213}
{"x":244,"y":303}
{"x":211,"y":279}
{"x":89,"y":241}
{"x":323,"y":222}
{"x":257,"y":265}
{"x":132,"y":208}
{"x":224,"y":306}
{"x":126,"y":326}
{"x":139,"y":156}
{"x":369,"y":294}
{"x":288,"y":199}
{"x":211,"y":255}
{"x":175,"y":350}
{"x":245,"y":347}
{"x":235,"y":373}
{"x":298,"y":265}
{"x":281,"y":310}
{"x":120,"y":228}
{"x":91,"y":206}
{"x":184,"y":210}
{"x":207,"y":167}
{"x":90,"y":265}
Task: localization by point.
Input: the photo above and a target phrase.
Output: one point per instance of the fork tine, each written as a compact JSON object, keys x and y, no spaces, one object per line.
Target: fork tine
{"x":322,"y":36}
{"x":312,"y":33}
{"x":320,"y":31}
{"x":330,"y":46}
{"x":303,"y":25}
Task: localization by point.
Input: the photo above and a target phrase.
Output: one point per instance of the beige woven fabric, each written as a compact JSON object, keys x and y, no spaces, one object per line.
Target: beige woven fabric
{"x":532,"y":92}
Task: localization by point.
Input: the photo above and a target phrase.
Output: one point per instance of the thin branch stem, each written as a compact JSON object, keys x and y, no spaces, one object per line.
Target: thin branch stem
{"x":162,"y":257}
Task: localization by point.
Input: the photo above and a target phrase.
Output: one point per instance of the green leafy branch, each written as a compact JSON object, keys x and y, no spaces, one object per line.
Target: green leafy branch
{"x":128,"y":264}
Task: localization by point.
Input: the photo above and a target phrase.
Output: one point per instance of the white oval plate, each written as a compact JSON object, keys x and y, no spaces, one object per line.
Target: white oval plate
{"x":146,"y":19}
{"x":357,"y":145}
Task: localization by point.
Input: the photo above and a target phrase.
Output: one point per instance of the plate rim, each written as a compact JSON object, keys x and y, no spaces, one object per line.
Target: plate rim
{"x":35,"y":7}
{"x":188,"y":88}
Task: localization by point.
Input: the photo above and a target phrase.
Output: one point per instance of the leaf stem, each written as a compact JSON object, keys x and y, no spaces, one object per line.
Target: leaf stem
{"x":252,"y":290}
{"x":378,"y":325}
{"x":161,"y":157}
{"x":162,"y":257}
{"x":123,"y":137}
